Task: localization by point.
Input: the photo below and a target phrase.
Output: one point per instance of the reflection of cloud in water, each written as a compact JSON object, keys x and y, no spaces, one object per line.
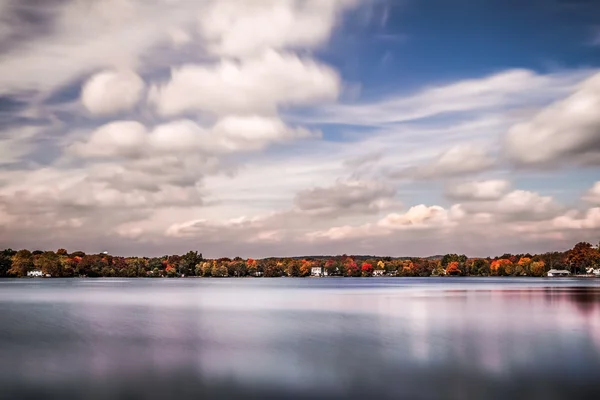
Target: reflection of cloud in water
{"x":300,"y":339}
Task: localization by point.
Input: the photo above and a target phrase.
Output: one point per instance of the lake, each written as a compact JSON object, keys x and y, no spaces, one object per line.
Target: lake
{"x":329,"y":338}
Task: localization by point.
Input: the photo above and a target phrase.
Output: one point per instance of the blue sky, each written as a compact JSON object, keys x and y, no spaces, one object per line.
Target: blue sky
{"x":293,"y":127}
{"x":438,"y":41}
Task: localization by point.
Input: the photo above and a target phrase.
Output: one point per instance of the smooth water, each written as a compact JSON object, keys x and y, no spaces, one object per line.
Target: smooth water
{"x":370,"y":338}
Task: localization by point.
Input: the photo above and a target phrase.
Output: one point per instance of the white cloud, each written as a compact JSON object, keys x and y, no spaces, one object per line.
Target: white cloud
{"x":231,"y":134}
{"x":478,"y":190}
{"x":116,"y":139}
{"x":228,"y":135}
{"x":518,"y":205}
{"x":459,"y":160}
{"x":420,"y":216}
{"x":567,"y":131}
{"x":507,"y":89}
{"x":574,"y":220}
{"x":253,"y":132}
{"x":87,"y":36}
{"x":241,"y":29}
{"x":16,"y":143}
{"x":235,"y":65}
{"x":109,"y":92}
{"x":363,"y":196}
{"x":416,"y":218}
{"x":593,"y":195}
{"x":256,"y":85}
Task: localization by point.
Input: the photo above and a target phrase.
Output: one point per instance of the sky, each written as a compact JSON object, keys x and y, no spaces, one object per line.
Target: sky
{"x":264,"y":128}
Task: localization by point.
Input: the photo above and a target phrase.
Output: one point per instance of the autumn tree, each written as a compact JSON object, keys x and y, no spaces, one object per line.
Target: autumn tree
{"x":305,"y":268}
{"x":523,"y":267}
{"x":448,"y":258}
{"x":49,"y":263}
{"x":155,"y":263}
{"x":351,"y":268}
{"x":237,"y":268}
{"x":69,"y":265}
{"x":204,"y":268}
{"x":406,"y":268}
{"x":273,"y":269}
{"x":333,"y":267}
{"x":92,"y":265}
{"x":583,"y":256}
{"x":501,"y":267}
{"x":251,"y":267}
{"x":537,"y":268}
{"x":22,"y":262}
{"x":219,"y":271}
{"x":453,"y":268}
{"x":367,"y":269}
{"x":292,"y":268}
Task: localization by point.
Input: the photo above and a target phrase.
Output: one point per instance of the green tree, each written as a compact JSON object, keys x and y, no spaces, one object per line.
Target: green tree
{"x":187,"y":263}
{"x":6,"y":261}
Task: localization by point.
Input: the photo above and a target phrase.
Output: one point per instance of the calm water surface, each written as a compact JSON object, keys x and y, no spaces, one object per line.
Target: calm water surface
{"x":379,"y":338}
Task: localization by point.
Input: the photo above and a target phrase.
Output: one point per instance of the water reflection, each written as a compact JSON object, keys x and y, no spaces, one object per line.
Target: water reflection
{"x":330,"y":338}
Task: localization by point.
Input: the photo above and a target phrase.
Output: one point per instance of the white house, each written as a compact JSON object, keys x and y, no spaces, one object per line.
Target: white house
{"x":318,"y":271}
{"x":558,"y":272}
{"x":36,"y":273}
{"x":379,"y":272}
{"x":593,"y":271}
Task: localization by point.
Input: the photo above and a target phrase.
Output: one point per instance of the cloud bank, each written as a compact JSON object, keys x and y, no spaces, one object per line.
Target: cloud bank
{"x":145,"y":127}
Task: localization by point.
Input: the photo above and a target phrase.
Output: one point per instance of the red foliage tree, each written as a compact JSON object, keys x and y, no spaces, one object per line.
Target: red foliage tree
{"x":351,"y":268}
{"x":367,"y":269}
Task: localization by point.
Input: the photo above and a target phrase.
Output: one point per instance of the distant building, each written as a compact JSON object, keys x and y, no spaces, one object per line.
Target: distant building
{"x":592,"y":271}
{"x":318,"y":271}
{"x":379,"y":272}
{"x":36,"y":273}
{"x":558,"y":272}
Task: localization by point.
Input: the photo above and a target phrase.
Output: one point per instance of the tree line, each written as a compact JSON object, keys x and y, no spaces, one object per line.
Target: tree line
{"x":61,"y":263}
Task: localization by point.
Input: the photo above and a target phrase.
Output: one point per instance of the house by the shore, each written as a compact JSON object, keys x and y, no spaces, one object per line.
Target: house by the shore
{"x":558,"y":272}
{"x":318,"y":271}
{"x":36,"y":273}
{"x":592,"y":271}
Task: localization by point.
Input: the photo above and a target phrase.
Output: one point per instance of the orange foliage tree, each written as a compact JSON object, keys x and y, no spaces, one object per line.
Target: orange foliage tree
{"x":537,"y":268}
{"x":305,"y":268}
{"x":453,"y":268}
{"x":499,"y":267}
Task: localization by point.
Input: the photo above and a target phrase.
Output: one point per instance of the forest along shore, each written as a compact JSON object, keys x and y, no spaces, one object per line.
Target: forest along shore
{"x":582,"y":260}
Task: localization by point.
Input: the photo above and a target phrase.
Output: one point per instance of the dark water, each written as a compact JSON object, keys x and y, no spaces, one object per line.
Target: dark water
{"x":375,"y":338}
